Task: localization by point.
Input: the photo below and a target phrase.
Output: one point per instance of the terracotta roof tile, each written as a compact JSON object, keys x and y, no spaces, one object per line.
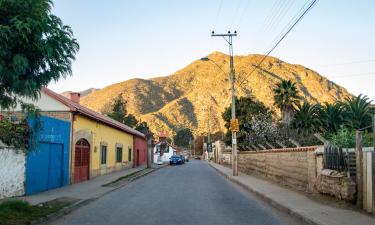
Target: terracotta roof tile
{"x":75,"y":107}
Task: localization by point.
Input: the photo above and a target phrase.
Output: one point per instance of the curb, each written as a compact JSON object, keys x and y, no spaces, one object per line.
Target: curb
{"x":64,"y":211}
{"x":296,"y":214}
{"x":70,"y":208}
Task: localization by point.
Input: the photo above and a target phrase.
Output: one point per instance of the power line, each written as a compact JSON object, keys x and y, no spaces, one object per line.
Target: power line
{"x":310,"y":6}
{"x":218,"y":14}
{"x":248,"y":2}
{"x":347,"y":63}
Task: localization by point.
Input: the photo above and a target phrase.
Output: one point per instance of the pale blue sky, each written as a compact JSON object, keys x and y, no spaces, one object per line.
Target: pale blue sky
{"x":123,"y":39}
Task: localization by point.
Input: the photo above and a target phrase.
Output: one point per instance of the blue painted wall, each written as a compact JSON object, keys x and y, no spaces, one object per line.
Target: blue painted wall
{"x":47,"y":163}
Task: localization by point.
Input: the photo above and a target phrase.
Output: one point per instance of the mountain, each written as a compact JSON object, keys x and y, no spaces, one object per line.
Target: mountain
{"x":182,"y":99}
{"x":83,"y":93}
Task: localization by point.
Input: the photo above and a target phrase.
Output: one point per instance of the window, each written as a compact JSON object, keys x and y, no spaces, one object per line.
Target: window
{"x":118,"y":154}
{"x":129,"y":154}
{"x":104,"y":154}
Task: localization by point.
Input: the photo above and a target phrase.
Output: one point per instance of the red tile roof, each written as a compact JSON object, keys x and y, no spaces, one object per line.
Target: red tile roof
{"x":75,"y":107}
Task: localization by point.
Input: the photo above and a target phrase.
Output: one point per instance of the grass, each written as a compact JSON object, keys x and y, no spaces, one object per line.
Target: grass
{"x":123,"y":178}
{"x":18,"y":212}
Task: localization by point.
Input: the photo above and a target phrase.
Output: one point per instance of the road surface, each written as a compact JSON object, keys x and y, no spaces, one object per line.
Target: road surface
{"x":192,"y":193}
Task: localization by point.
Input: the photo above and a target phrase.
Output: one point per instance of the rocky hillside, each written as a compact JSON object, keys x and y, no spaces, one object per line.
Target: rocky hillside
{"x":83,"y":93}
{"x":183,"y":98}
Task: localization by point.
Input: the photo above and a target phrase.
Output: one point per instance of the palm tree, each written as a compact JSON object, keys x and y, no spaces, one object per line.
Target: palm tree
{"x":306,"y":118}
{"x":357,"y":112}
{"x":286,"y":97}
{"x":331,"y":116}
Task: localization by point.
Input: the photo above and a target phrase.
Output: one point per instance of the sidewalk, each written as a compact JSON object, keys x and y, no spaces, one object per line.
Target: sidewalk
{"x":296,"y":204}
{"x":87,"y":190}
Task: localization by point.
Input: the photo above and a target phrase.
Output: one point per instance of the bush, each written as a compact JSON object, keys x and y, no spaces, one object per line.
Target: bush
{"x":345,"y":138}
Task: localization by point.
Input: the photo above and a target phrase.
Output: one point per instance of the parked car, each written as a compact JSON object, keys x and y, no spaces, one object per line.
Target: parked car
{"x":197,"y":157}
{"x":175,"y":160}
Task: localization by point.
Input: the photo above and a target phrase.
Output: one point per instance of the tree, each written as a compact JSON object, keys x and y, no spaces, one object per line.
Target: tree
{"x":246,"y":109}
{"x":142,"y":127}
{"x":120,"y":114}
{"x":183,"y":137}
{"x":35,"y":48}
{"x":286,"y":98}
{"x":306,"y":119}
{"x":357,"y":112}
{"x":331,"y":117}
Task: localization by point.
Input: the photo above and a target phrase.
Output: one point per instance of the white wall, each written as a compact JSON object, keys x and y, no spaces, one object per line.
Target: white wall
{"x":12,"y":172}
{"x":166,"y":155}
{"x":45,"y":103}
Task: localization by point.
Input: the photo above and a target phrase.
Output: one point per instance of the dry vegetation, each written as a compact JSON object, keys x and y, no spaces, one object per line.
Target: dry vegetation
{"x":183,"y":98}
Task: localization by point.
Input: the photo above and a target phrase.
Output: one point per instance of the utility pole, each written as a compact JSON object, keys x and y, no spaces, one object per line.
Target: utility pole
{"x":228,"y":38}
{"x":209,"y":147}
{"x":149,"y":149}
{"x":359,"y":168}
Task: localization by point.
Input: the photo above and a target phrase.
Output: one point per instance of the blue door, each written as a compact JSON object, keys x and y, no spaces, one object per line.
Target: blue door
{"x":47,"y":165}
{"x":55,"y":172}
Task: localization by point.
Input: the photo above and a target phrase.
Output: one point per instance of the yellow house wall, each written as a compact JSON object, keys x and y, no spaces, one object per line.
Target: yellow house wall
{"x":101,"y":133}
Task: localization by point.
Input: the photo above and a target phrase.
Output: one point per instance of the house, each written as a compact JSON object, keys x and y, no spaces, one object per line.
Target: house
{"x":163,"y":150}
{"x":98,"y":144}
{"x":44,"y":166}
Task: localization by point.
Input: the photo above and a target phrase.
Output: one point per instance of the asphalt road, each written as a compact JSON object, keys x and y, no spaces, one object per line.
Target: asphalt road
{"x":193,"y":193}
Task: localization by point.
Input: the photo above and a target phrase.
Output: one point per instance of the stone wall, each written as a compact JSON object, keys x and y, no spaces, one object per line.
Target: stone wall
{"x":12,"y":172}
{"x":338,"y":185}
{"x":291,"y":167}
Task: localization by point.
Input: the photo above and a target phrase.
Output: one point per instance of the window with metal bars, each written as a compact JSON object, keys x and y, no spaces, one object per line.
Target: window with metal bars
{"x":118,"y":154}
{"x":129,"y":154}
{"x":104,"y":154}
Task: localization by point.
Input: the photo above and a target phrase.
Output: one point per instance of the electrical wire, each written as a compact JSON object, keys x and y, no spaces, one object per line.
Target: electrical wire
{"x":300,"y":17}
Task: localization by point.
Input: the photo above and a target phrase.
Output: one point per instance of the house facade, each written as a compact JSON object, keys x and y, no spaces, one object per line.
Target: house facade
{"x":162,"y":150}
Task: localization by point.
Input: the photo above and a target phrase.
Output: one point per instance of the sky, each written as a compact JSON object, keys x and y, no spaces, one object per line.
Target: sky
{"x":123,"y":39}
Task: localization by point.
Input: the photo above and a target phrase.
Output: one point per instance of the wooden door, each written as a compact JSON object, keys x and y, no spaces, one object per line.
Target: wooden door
{"x":82,"y":159}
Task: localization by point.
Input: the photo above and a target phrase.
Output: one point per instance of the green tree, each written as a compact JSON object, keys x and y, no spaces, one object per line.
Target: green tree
{"x":306,"y":119}
{"x":183,"y":137}
{"x":120,"y":114}
{"x":357,"y":112}
{"x":35,"y":48}
{"x":143,"y":127}
{"x":286,"y":98}
{"x":246,"y":109}
{"x":331,"y":117}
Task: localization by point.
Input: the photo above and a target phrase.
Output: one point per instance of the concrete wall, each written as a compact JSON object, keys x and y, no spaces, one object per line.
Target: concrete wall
{"x":369,"y":180}
{"x":12,"y":172}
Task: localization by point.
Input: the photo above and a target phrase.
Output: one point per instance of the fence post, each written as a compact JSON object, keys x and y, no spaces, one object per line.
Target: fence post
{"x":359,"y":167}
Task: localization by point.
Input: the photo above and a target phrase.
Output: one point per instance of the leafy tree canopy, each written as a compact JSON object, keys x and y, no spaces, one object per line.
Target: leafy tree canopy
{"x":35,"y":48}
{"x":246,"y":109}
{"x":286,"y":97}
{"x":183,"y":137}
{"x":120,"y":113}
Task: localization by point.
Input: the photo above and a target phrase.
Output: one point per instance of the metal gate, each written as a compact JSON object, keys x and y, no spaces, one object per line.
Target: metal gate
{"x":82,"y":159}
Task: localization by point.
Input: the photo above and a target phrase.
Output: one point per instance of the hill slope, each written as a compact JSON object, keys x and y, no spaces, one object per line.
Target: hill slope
{"x":183,"y":98}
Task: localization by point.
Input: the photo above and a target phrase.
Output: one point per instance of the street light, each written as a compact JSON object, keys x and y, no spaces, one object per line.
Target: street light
{"x":234,"y":121}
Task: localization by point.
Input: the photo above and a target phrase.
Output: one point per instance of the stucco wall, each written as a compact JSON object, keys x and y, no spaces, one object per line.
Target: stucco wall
{"x":292,"y":167}
{"x":12,"y":173}
{"x":140,"y":144}
{"x":97,"y":133}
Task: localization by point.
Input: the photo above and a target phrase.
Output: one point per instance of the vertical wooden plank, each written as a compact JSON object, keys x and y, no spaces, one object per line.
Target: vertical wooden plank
{"x":359,"y":168}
